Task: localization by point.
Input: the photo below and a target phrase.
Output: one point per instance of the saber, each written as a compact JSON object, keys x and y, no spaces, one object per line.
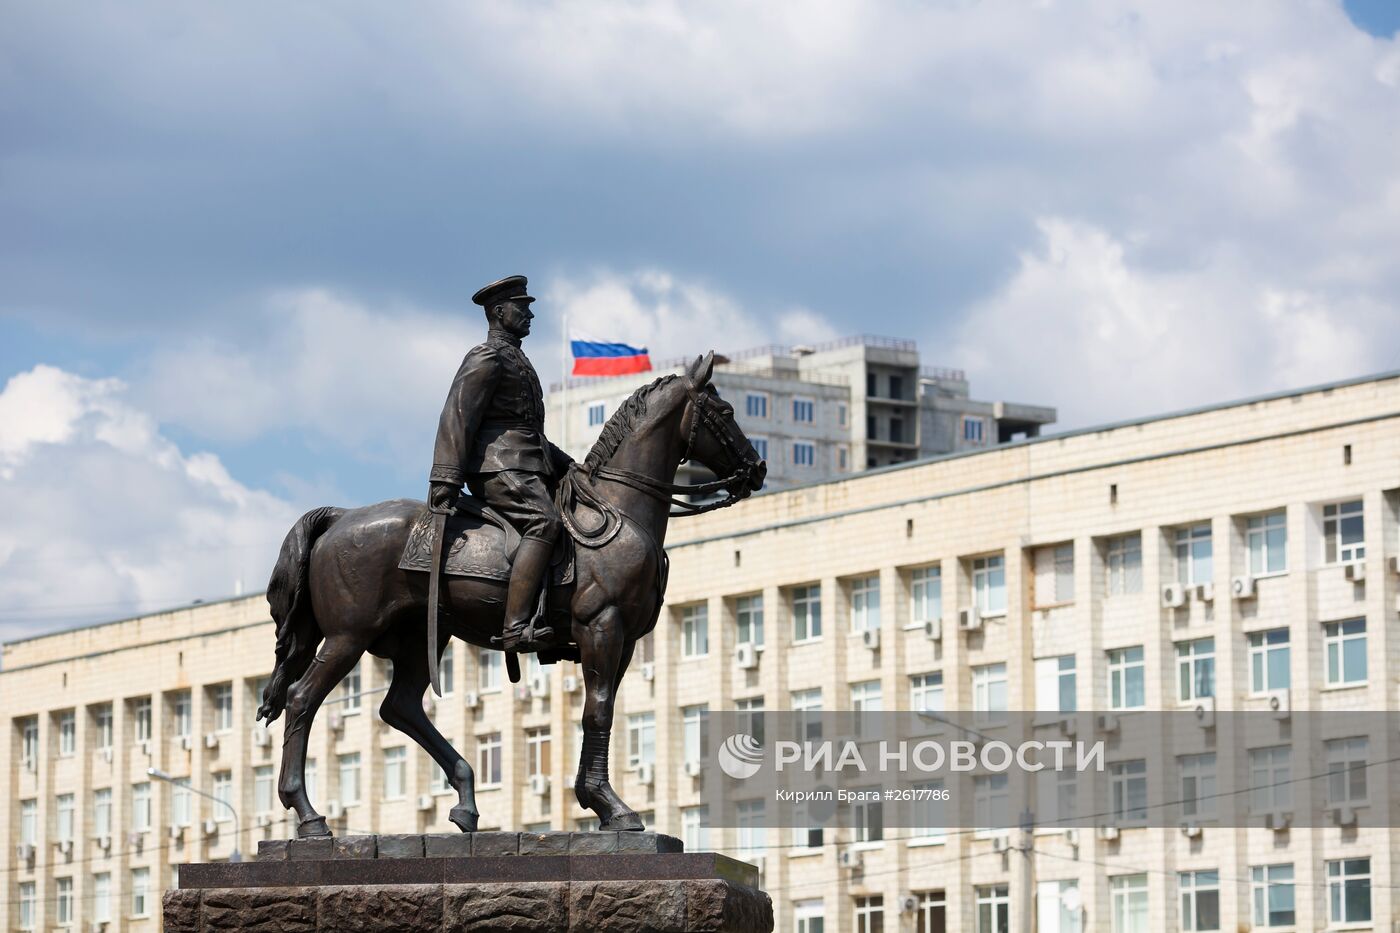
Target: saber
{"x":434,"y":577}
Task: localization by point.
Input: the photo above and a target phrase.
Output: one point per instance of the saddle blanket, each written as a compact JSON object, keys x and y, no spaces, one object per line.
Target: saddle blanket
{"x":479,"y":544}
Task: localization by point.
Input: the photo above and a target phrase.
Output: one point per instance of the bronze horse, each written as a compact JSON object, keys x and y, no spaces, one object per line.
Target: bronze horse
{"x":337,"y":592}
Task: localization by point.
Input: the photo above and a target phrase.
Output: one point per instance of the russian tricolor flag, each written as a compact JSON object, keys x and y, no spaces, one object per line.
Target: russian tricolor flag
{"x":598,"y":358}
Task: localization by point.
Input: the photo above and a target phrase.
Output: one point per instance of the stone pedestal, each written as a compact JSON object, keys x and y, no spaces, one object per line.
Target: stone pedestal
{"x":538,"y":882}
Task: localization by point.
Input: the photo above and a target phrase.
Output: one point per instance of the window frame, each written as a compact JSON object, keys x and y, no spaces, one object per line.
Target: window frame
{"x":986,"y":679}
{"x":804,"y":454}
{"x":925,"y":595}
{"x":748,"y":620}
{"x":1260,"y":651}
{"x":1123,"y":565}
{"x":695,"y":631}
{"x":805,"y":602}
{"x":1190,"y":898}
{"x":1335,"y":638}
{"x":1185,"y":541}
{"x":989,"y":584}
{"x":1195,"y":669}
{"x":761,"y":398}
{"x":1121,"y":668}
{"x":1122,"y":791}
{"x":1261,"y":886}
{"x":996,"y":897}
{"x":1343,"y":876}
{"x":1258,"y":530}
{"x":1335,"y":550}
{"x":797,"y":410}
{"x":596,"y":413}
{"x":865,"y":603}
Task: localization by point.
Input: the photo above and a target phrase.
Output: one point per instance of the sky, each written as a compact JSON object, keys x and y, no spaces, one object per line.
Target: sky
{"x":238,"y":242}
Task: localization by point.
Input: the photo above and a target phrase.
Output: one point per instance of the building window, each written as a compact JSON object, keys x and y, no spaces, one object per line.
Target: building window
{"x":1343,"y":533}
{"x":1346,"y":771}
{"x":64,"y":817}
{"x":695,"y":631}
{"x":180,"y":798}
{"x":447,"y":670}
{"x":1269,"y":661}
{"x":803,"y":410}
{"x":27,"y":902}
{"x":752,"y":708}
{"x":395,"y":780}
{"x":866,"y":697}
{"x":695,"y":828}
{"x":993,"y":908}
{"x":693,"y":732}
{"x":29,"y":822}
{"x":1349,"y":891}
{"x":753,"y":832}
{"x":870,"y":914}
{"x":1270,"y":779}
{"x":989,"y":584}
{"x":929,"y":812}
{"x":869,"y":821}
{"x":973,"y":430}
{"x":1197,"y":785}
{"x":1266,"y":540}
{"x":350,"y":690}
{"x":806,"y":613}
{"x":748,"y":616}
{"x":991,"y":807}
{"x":102,"y":720}
{"x":1053,"y":901}
{"x":29,"y":743}
{"x":1057,"y":797}
{"x":141,"y":807}
{"x":1054,"y":575}
{"x":1127,"y":678}
{"x":989,"y":692}
{"x":1193,"y":555}
{"x":488,"y":759}
{"x":897,"y":430}
{"x":808,"y":916}
{"x":804,"y":454}
{"x":1128,"y":781}
{"x":223,"y":708}
{"x":102,"y":813}
{"x":141,"y":713}
{"x":1055,"y":684}
{"x":348,"y":767}
{"x":1200,"y":900}
{"x":597,"y":414}
{"x":1345,"y":644}
{"x":1123,"y":561}
{"x":925,"y":595}
{"x":1195,"y":669}
{"x":183,"y":708}
{"x":865,"y":603}
{"x":641,"y":739}
{"x":756,"y":405}
{"x":537,"y":752}
{"x":843,"y":458}
{"x":263,"y":801}
{"x":841,"y":415}
{"x":140,"y":892}
{"x":808,"y":705}
{"x":1271,"y":895}
{"x":926,"y":693}
{"x":102,"y":897}
{"x":67,"y":734}
{"x":1129,"y":896}
{"x":488,"y":670}
{"x":223,"y":795}
{"x":760,"y":447}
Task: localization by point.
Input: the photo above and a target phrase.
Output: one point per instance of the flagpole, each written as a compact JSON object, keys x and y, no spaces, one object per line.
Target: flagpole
{"x":564,"y":378}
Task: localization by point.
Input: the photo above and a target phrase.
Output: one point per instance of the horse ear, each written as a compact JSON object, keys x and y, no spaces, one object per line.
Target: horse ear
{"x":702,"y":369}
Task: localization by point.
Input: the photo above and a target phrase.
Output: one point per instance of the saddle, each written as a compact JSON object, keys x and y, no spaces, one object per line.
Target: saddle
{"x":480,"y":543}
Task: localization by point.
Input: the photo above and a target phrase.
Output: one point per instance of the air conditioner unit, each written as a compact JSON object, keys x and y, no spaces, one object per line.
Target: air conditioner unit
{"x":908,"y":904}
{"x":571,"y":683}
{"x":646,"y":774}
{"x":1242,"y":587}
{"x":1343,"y":816}
{"x":746,"y":656}
{"x":1173,"y":596}
{"x":969,"y":619}
{"x":539,"y":784}
{"x":136,"y":840}
{"x":1108,"y":833}
{"x":648,"y":671}
{"x":334,"y":810}
{"x":473,"y":700}
{"x":933,"y":629}
{"x":264,"y":820}
{"x":1205,"y":592}
{"x":186,"y":742}
{"x":849,"y":858}
{"x":177,"y":833}
{"x":692,"y":768}
{"x":1072,"y":837}
{"x":1204,"y":708}
{"x":1191,"y":830}
{"x":1106,"y":722}
{"x":1001,"y":843}
{"x":871,"y":638}
{"x":211,"y":740}
{"x":211,"y":827}
{"x":1278,"y":820}
{"x":539,"y":685}
{"x":261,"y":737}
{"x":1356,"y":572}
{"x":1069,"y":726}
{"x":425,"y":802}
{"x":1279,"y":704}
{"x":104,"y":843}
{"x":24,"y":852}
{"x":336,"y":721}
{"x":64,"y":847}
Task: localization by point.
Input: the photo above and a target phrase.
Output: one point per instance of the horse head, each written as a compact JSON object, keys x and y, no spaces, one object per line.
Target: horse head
{"x":712,"y":437}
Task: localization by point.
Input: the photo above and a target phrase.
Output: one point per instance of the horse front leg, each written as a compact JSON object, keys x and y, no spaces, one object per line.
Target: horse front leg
{"x":336,"y":658}
{"x":603,"y":647}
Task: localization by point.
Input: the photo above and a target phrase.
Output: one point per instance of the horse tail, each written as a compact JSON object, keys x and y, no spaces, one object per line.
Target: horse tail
{"x":290,"y":602}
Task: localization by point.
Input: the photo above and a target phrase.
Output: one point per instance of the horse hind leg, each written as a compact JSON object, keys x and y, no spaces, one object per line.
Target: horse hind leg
{"x":403,"y":709}
{"x":336,"y":658}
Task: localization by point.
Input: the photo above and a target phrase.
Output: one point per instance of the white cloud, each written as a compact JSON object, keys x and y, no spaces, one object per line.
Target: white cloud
{"x":1086,"y":325}
{"x":105,"y":516}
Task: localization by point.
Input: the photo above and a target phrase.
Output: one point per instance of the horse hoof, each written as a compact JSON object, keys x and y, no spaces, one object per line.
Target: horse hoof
{"x":314,"y":828}
{"x":465,"y":819}
{"x":623,"y":823}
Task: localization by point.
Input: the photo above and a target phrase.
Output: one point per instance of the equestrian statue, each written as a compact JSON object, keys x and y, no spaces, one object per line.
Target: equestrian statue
{"x":544,"y":555}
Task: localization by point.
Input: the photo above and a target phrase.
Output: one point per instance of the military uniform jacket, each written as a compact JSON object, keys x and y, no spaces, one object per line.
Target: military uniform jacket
{"x":494,"y":416}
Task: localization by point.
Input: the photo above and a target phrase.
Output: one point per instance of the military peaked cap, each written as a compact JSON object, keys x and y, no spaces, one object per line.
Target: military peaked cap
{"x":510,"y":288}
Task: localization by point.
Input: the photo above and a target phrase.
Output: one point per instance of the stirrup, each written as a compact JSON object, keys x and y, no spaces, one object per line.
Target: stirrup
{"x":526,"y":639}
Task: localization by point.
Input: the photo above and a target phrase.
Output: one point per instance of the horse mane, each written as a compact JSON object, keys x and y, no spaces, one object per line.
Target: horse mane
{"x":624,"y":421}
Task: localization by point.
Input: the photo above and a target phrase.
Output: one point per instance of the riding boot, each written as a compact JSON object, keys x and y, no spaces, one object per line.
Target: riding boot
{"x":527,"y":575}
